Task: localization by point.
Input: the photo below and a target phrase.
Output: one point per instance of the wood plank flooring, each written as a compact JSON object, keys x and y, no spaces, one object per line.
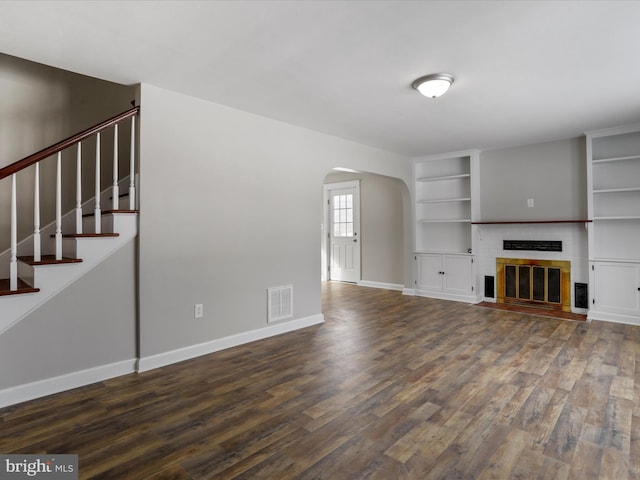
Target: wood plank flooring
{"x":390,"y":387}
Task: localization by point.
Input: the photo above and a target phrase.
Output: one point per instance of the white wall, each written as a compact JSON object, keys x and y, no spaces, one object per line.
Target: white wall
{"x":229,"y":207}
{"x":552,"y":174}
{"x":90,"y":324}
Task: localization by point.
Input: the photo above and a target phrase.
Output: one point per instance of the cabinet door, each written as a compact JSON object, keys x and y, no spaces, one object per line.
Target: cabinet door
{"x":458,"y":274}
{"x":429,"y":272}
{"x":616,"y":288}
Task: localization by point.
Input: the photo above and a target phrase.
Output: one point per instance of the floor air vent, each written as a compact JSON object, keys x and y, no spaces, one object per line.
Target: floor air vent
{"x":280,"y":303}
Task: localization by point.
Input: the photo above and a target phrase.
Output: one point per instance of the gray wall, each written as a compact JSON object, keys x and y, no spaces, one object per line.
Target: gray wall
{"x":382,"y":225}
{"x":89,"y":324}
{"x":553,"y":174}
{"x":40,"y":106}
{"x":229,"y":207}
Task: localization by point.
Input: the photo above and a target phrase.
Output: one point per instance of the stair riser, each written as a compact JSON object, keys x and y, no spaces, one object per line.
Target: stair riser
{"x":88,"y":224}
{"x":44,"y":274}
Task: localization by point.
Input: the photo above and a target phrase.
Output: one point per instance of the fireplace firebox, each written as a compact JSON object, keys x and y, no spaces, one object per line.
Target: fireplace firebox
{"x":540,"y":283}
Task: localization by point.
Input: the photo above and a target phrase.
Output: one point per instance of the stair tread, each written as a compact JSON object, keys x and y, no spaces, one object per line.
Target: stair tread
{"x":108,"y":212}
{"x":48,"y":260}
{"x":23,"y":287}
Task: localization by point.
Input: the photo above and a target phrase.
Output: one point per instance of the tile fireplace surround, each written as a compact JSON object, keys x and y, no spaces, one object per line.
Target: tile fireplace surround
{"x":489,"y":246}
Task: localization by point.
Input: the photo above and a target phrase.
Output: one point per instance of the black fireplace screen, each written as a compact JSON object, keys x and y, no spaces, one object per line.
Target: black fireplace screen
{"x":538,"y":283}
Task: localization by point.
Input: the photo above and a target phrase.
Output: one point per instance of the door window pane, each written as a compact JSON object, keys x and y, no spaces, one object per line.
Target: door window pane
{"x":343,"y":215}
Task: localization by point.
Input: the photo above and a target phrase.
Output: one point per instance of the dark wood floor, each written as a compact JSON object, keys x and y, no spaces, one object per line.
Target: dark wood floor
{"x":390,"y":387}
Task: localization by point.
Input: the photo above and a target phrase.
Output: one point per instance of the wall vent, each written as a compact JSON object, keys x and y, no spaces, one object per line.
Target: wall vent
{"x":581,"y":295}
{"x":280,"y":303}
{"x":489,"y":282}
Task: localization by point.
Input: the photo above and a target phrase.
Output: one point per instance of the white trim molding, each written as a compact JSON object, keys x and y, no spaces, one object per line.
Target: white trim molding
{"x":385,"y":286}
{"x":192,"y":351}
{"x":49,"y":386}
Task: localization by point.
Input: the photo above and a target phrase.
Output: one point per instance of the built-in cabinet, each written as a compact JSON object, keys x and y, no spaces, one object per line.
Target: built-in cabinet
{"x":613,"y":177}
{"x":445,"y":276}
{"x":445,"y":204}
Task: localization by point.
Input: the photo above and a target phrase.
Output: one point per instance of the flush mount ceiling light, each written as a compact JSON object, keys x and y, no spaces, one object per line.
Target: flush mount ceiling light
{"x":433,"y":85}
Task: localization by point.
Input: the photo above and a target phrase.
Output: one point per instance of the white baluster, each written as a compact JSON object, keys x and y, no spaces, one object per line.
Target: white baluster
{"x":116,"y":188}
{"x":132,"y":176}
{"x":37,"y":251}
{"x":97,"y":213}
{"x":79,"y":189}
{"x":13,"y":260}
{"x":59,"y":207}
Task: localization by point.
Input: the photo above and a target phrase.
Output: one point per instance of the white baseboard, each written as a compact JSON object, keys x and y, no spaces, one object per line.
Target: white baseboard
{"x":192,"y":351}
{"x":386,"y":286}
{"x":448,"y":296}
{"x":409,"y":291}
{"x":49,"y":386}
{"x":613,"y":317}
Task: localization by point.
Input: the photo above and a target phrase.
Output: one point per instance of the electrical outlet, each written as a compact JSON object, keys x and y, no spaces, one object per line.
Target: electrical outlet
{"x":530,"y":202}
{"x":198,"y":311}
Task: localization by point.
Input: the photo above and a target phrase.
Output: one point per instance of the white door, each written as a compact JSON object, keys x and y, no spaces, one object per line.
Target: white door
{"x":344,"y":206}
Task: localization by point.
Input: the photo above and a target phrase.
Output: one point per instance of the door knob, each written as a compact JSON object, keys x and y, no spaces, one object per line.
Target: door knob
{"x":355,"y":240}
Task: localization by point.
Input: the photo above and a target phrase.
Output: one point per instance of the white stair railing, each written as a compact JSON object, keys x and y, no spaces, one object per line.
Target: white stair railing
{"x":13,"y":262}
{"x":79,"y":189}
{"x":97,"y":213}
{"x":115,"y":189}
{"x":132,"y":177}
{"x":13,"y":169}
{"x":59,"y":207}
{"x":37,"y":248}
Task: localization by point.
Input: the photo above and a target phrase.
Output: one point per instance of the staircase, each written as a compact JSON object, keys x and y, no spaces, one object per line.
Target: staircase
{"x":58,"y":254}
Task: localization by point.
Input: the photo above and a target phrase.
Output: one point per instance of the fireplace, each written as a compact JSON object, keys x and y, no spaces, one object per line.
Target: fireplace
{"x":530,"y":282}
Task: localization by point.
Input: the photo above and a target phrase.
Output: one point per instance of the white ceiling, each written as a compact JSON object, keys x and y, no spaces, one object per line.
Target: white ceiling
{"x":526,"y":72}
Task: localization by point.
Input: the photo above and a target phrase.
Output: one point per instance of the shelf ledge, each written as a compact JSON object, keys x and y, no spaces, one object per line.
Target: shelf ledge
{"x":615,"y":159}
{"x":445,"y":200}
{"x":445,"y":220}
{"x":444,"y":177}
{"x":514,"y":222}
{"x":617,"y":190}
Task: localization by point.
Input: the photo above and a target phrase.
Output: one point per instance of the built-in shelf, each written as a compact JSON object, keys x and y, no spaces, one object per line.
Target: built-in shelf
{"x":616,"y":159}
{"x":446,"y":200}
{"x":515,"y":222}
{"x":443,"y":177}
{"x":444,"y":220}
{"x":615,"y":260}
{"x":616,"y":190}
{"x":619,"y":217}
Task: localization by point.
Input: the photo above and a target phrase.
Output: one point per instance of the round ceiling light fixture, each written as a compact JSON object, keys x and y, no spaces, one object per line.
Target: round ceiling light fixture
{"x":433,"y":85}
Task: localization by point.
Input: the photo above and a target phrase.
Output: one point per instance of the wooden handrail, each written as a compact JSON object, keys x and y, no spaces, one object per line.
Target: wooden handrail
{"x":66,"y":143}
